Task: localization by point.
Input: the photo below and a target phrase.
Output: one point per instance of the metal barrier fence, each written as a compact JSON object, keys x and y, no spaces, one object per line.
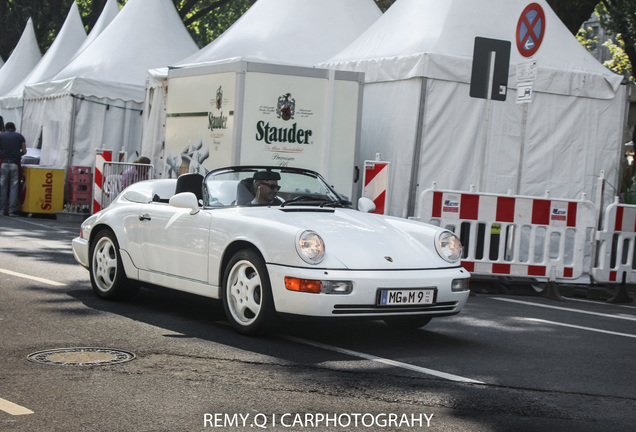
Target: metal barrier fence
{"x":117,"y":176}
{"x":615,"y":245}
{"x":515,"y":236}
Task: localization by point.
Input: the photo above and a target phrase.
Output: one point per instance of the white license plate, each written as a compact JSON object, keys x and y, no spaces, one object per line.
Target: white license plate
{"x":392,"y":297}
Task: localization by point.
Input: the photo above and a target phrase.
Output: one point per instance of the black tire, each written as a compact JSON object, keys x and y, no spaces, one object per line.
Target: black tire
{"x":108,"y":277}
{"x":408,"y":323}
{"x":247,"y":294}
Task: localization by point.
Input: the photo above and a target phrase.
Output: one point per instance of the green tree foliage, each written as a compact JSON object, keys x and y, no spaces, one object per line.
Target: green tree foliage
{"x":619,"y":17}
{"x":573,"y":13}
{"x":587,"y":38}
{"x":384,"y":4}
{"x":15,"y":13}
{"x":619,"y":62}
{"x":206,"y":20}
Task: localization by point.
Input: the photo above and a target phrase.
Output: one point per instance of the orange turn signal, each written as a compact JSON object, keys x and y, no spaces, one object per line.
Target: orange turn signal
{"x":303,"y":285}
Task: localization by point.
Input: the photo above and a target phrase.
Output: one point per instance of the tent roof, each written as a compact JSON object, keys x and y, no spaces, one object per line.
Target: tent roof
{"x":144,"y":35}
{"x":23,"y":59}
{"x":109,"y":12}
{"x":412,"y":37}
{"x":68,"y":40}
{"x":291,"y":31}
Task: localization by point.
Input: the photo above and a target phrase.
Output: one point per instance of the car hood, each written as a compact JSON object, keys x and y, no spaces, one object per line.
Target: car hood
{"x":362,"y":240}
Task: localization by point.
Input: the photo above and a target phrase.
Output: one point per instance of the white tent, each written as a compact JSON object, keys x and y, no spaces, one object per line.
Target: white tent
{"x":22,"y":60}
{"x":96,"y":100}
{"x":109,"y":12}
{"x":66,"y":43}
{"x":418,"y":113}
{"x":299,"y":33}
{"x":291,"y":32}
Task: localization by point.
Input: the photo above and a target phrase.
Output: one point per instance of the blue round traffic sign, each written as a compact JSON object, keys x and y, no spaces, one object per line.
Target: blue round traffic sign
{"x":530,"y":30}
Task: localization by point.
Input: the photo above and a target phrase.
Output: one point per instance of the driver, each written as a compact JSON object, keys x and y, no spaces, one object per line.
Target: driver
{"x":265,"y":188}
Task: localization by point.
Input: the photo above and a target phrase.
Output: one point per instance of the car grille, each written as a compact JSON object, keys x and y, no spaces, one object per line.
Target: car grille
{"x":379,"y":310}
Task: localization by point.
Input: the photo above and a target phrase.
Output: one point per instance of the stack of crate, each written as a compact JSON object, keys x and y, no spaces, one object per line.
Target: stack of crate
{"x":79,"y":188}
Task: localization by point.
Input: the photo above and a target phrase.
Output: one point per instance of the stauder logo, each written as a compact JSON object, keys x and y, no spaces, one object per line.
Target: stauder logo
{"x":292,"y":135}
{"x":217,"y":122}
{"x":286,"y":110}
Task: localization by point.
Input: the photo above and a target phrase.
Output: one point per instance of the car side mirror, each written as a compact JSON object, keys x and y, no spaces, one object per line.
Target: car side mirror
{"x":186,"y":200}
{"x":366,"y":205}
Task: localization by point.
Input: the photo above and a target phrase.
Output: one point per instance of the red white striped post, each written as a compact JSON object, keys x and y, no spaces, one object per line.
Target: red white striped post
{"x":101,"y":157}
{"x":375,"y":181}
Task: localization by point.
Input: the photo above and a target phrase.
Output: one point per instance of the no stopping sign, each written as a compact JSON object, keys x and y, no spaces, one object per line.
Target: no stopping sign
{"x":530,"y":30}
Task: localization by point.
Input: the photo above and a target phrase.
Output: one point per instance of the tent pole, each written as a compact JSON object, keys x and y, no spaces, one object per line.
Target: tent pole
{"x":239,"y":107}
{"x":522,"y":145}
{"x":618,"y":181}
{"x":417,"y":149}
{"x":71,"y":139}
{"x":331,"y":90}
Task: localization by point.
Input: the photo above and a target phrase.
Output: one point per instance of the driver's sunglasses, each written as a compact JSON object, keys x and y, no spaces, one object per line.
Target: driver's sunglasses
{"x":272,"y":186}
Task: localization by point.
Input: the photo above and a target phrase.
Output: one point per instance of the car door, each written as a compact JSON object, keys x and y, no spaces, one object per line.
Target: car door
{"x":175,"y":242}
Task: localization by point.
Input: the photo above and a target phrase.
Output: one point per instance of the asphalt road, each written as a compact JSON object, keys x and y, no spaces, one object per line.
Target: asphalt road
{"x":507,"y":362}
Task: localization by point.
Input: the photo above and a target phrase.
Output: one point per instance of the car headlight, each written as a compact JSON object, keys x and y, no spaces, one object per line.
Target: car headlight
{"x":310,"y":247}
{"x":448,"y":246}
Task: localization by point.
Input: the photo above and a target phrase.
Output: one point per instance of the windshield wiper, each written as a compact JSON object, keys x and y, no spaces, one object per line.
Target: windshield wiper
{"x":344,"y":204}
{"x":298,"y":198}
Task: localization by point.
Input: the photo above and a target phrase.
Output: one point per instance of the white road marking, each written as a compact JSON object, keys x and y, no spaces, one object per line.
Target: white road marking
{"x":383,"y":360}
{"x":603,"y":303}
{"x":565,"y":309}
{"x":13,"y":409}
{"x":35,"y":278}
{"x":579,"y":327}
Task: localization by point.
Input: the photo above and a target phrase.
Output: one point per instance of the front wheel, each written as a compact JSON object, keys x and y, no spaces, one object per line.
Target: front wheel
{"x":108,"y":277}
{"x":247,"y":293}
{"x":408,"y":323}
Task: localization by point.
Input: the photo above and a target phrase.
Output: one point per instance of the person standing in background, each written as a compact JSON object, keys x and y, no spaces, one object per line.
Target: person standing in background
{"x":12,"y":148}
{"x":135,"y":173}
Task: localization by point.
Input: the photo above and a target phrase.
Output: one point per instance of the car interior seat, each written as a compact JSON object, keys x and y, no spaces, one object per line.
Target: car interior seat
{"x":191,"y":182}
{"x":245,"y":191}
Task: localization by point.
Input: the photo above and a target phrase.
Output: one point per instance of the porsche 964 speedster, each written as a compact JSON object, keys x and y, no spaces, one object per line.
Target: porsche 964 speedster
{"x":269,"y":242}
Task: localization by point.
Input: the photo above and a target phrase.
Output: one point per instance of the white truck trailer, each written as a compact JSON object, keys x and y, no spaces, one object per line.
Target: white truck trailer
{"x":245,"y":113}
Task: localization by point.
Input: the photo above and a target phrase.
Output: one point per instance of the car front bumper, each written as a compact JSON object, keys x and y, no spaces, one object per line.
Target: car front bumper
{"x":80,"y":251}
{"x":362,"y":301}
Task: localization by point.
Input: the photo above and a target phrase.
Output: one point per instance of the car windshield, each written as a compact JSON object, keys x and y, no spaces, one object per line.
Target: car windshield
{"x":260,"y":185}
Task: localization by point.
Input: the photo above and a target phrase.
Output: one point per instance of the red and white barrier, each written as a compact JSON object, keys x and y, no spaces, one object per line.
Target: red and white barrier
{"x":104,"y":190}
{"x":101,"y":156}
{"x":375,"y":181}
{"x":615,"y":246}
{"x":521,"y":236}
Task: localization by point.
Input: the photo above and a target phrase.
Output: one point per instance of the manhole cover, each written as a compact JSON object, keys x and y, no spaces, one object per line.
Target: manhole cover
{"x":81,"y":356}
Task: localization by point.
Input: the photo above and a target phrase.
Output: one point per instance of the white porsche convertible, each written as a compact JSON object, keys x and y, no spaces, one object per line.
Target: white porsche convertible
{"x":271,"y":241}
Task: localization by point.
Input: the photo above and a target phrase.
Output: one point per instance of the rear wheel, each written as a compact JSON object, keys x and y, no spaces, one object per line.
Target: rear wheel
{"x":108,"y":277}
{"x":247,"y":293}
{"x":408,"y":323}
